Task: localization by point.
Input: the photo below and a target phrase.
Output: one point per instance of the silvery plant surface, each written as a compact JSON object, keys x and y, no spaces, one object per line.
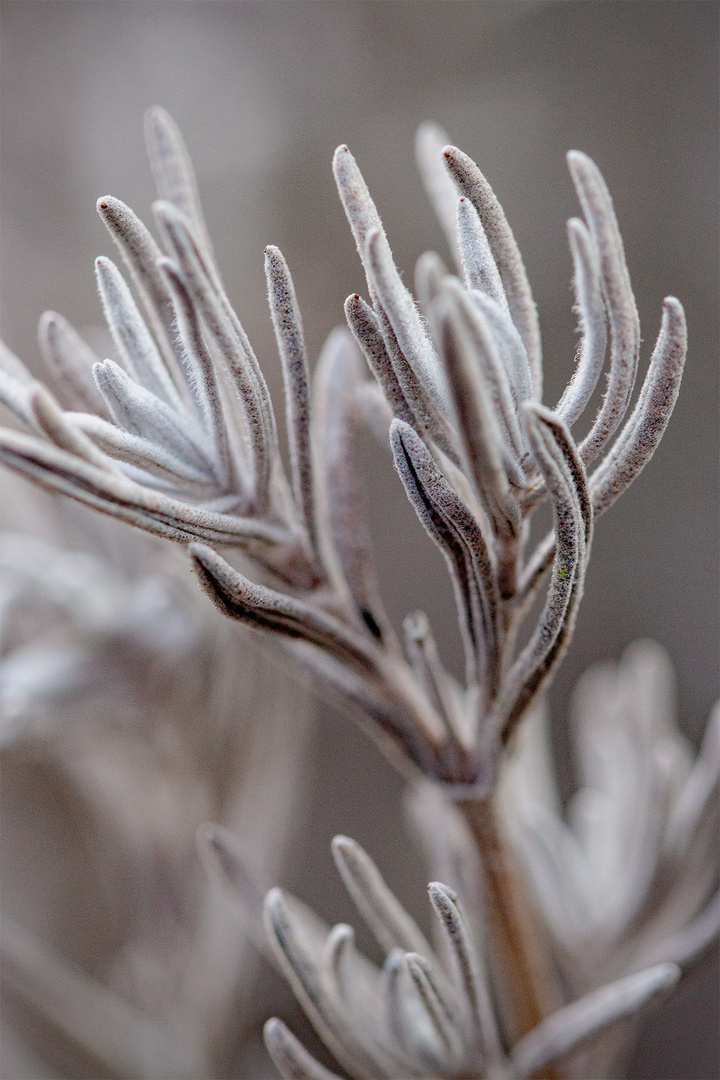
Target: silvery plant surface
{"x":124,"y":694}
{"x":178,"y":436}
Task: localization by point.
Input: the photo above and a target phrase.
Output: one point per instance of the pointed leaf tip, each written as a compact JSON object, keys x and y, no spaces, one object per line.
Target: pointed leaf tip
{"x":436,"y":888}
{"x":157,"y":112}
{"x":578,"y":157}
{"x":274,"y":904}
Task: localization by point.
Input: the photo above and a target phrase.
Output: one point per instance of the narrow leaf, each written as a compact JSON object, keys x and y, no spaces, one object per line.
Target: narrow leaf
{"x":292,"y":1060}
{"x":137,"y":349}
{"x":346,"y":545}
{"x":569,"y":1028}
{"x":384,"y":914}
{"x":442,"y":691}
{"x":267,"y":609}
{"x":622,"y":312}
{"x":427,"y":418}
{"x":203,"y":381}
{"x":411,"y":335}
{"x":139,"y":452}
{"x":471,"y":183}
{"x":173,"y":170}
{"x":366,"y":330}
{"x":430,"y":142}
{"x":141,"y":254}
{"x":591,"y":312}
{"x":472,"y":981}
{"x":479,"y":429}
{"x":506,"y":383}
{"x":70,"y":360}
{"x":453,"y":528}
{"x":430,"y":272}
{"x":15,"y":396}
{"x":13,"y":366}
{"x":509,"y":346}
{"x":291,"y":929}
{"x":337,"y":959}
{"x":232,"y":346}
{"x":360,"y":210}
{"x":126,"y":500}
{"x":479,"y":269}
{"x":15,"y":381}
{"x":296,"y":376}
{"x":441,"y":1010}
{"x":564,"y":475}
{"x":223,"y":856}
{"x":645,"y":428}
{"x":60,"y":428}
{"x":140,"y":412}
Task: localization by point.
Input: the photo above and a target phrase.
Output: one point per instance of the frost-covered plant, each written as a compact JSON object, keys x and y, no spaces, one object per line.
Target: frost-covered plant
{"x":629,"y":877}
{"x":428,"y":1012}
{"x":166,"y":447}
{"x":108,"y":662}
{"x":618,"y":897}
{"x":625,"y":907}
{"x":180,"y":439}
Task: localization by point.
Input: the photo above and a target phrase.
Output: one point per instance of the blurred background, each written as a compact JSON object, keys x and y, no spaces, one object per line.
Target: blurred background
{"x":264,"y":92}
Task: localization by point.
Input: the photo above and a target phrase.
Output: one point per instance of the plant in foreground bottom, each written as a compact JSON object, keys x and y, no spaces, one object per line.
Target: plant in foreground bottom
{"x":624,"y":890}
{"x":179,"y":438}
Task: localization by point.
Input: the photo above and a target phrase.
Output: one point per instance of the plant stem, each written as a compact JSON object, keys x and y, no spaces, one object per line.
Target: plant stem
{"x":521,"y":967}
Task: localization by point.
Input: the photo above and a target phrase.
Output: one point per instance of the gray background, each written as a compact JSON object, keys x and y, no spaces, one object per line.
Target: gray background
{"x":264,"y":92}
